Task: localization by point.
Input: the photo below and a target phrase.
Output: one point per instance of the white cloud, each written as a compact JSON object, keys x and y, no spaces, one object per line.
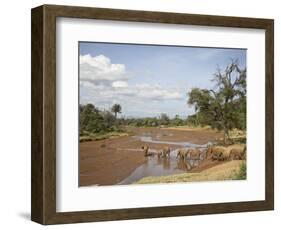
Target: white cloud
{"x":104,"y":83}
{"x":119,"y":84}
{"x":156,"y":92}
{"x":123,"y":91}
{"x":99,"y":70}
{"x":111,"y":80}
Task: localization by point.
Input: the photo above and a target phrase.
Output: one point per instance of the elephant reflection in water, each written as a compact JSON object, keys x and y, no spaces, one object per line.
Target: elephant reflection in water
{"x":159,"y":161}
{"x":166,"y":163}
{"x":193,"y":163}
{"x":183,"y":165}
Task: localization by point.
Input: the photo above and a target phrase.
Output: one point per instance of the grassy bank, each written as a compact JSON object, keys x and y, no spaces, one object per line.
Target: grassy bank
{"x":188,"y":128}
{"x":101,"y":136}
{"x":232,"y":170}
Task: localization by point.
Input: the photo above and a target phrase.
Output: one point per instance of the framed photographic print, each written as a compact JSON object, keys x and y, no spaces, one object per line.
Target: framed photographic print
{"x":140,"y":114}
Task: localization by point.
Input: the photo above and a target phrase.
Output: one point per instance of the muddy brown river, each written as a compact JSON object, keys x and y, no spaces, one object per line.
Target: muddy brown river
{"x":121,"y":160}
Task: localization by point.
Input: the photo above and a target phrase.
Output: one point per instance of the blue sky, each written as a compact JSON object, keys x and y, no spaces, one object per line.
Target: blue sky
{"x":148,"y":80}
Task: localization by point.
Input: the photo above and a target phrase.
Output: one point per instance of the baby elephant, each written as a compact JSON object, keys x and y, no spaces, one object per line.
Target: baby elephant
{"x":166,"y":151}
{"x":145,"y":150}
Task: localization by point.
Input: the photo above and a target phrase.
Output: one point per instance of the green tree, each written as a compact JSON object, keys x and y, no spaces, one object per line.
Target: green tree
{"x":177,"y":121}
{"x":108,"y":119}
{"x":116,"y":108}
{"x":164,"y":119}
{"x":192,"y":120}
{"x":91,"y":119}
{"x":224,"y":106}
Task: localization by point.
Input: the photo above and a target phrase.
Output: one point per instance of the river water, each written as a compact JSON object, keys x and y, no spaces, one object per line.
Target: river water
{"x":155,"y":166}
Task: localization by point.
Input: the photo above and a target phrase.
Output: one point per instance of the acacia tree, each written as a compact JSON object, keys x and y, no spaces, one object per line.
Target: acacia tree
{"x":116,"y":108}
{"x":224,"y":106}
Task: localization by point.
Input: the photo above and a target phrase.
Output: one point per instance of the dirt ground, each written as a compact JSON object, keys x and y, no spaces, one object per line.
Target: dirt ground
{"x":107,"y":162}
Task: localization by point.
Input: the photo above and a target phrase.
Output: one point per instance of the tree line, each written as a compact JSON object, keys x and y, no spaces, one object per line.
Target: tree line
{"x":162,"y":120}
{"x":94,"y":120}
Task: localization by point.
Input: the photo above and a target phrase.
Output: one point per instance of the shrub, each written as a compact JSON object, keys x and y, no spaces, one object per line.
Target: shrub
{"x":242,"y":174}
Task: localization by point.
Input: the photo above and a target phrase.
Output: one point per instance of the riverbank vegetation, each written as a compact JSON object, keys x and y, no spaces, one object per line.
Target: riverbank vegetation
{"x":242,"y":173}
{"x":95,"y":124}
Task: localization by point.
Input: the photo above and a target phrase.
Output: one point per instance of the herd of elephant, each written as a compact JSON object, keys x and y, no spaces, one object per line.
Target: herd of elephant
{"x":219,"y":153}
{"x":165,"y":152}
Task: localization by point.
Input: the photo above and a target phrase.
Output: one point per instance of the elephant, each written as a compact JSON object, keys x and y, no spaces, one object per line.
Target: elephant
{"x":237,"y":153}
{"x":145,"y":150}
{"x":217,"y":153}
{"x":182,"y":153}
{"x":159,"y":153}
{"x":194,"y":154}
{"x":166,"y":151}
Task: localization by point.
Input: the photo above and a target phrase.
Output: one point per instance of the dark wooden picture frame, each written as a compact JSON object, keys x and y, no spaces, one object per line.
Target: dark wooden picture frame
{"x":43,"y":170}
